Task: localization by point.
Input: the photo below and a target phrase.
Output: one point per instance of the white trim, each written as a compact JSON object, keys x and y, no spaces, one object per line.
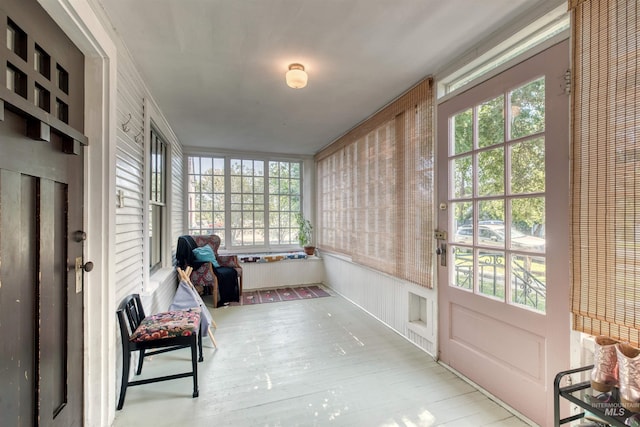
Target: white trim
{"x":79,"y":21}
{"x":153,"y":114}
{"x":307,"y":201}
{"x":153,"y":117}
{"x":489,"y":395}
{"x":156,"y":279}
{"x":493,"y":56}
{"x":254,"y":155}
{"x":146,"y":147}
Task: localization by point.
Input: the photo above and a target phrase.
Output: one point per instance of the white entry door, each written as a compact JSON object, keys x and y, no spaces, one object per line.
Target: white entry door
{"x":503,"y":185}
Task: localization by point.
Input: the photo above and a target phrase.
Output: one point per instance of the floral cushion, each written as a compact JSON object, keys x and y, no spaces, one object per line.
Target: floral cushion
{"x":212,"y":240}
{"x":203,"y":276}
{"x":170,"y":324}
{"x":230,"y":261}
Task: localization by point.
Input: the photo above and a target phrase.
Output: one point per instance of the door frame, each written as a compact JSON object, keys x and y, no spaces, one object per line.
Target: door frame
{"x":82,"y":25}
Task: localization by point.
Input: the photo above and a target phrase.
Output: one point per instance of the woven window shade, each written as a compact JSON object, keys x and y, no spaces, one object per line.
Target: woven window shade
{"x":574,"y":3}
{"x":606,"y":169}
{"x":375,"y":189}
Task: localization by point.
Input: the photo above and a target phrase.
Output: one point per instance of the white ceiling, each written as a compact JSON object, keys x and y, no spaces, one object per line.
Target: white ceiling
{"x":216,"y":67}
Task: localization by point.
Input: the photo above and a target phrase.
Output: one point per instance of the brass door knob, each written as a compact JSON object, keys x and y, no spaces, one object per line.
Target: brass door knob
{"x":88,"y":266}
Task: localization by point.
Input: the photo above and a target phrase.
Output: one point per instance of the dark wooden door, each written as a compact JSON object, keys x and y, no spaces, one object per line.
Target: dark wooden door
{"x":41,"y":309}
{"x":41,"y":197}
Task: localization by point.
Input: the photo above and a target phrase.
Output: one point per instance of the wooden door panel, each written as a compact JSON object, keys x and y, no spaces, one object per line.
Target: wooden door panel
{"x":41,"y":365}
{"x":17,"y":297}
{"x":40,"y":311}
{"x":53,"y":308}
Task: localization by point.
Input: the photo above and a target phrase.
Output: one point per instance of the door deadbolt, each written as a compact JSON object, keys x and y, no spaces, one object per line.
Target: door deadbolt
{"x":79,"y":236}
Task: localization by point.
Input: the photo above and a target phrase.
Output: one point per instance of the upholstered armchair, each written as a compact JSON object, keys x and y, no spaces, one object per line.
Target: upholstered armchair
{"x":224,"y":283}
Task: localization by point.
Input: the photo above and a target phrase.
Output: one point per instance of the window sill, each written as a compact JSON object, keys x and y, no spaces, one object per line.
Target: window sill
{"x":262,"y":258}
{"x":156,"y":279}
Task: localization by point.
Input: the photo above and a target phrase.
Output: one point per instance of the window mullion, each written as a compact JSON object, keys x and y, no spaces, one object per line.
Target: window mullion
{"x":227,"y":203}
{"x":266,"y":210}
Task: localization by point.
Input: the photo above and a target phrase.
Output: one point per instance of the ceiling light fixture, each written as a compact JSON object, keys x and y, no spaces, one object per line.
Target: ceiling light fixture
{"x":296,"y":76}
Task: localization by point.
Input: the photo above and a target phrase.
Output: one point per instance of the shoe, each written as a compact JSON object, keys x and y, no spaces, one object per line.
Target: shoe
{"x":629,"y":371}
{"x":600,"y":399}
{"x":633,"y":421}
{"x":604,"y":375}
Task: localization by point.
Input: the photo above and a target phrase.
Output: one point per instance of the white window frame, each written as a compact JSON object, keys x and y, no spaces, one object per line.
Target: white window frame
{"x":153,"y":119}
{"x":306,"y":182}
{"x":159,"y":242}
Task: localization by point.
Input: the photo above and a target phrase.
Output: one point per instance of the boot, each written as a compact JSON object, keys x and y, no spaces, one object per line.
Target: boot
{"x":629,"y":369}
{"x":604,"y":375}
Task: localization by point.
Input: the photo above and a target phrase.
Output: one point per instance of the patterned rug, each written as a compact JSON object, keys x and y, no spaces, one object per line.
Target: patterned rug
{"x":261,"y":296}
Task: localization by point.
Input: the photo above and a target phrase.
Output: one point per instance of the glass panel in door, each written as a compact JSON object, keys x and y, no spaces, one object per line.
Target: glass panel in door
{"x":497,"y":197}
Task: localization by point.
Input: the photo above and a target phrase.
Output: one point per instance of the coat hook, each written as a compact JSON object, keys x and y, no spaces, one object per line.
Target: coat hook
{"x":124,"y":125}
{"x":137,"y":138}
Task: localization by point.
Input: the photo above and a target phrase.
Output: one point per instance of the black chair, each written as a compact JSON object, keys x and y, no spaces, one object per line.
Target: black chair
{"x":166,"y":331}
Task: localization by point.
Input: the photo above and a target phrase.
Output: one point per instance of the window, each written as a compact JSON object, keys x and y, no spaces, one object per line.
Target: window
{"x":157,"y":199}
{"x":284,"y":201}
{"x":42,"y":62}
{"x":63,"y":79}
{"x":16,"y":39}
{"x":34,"y":74}
{"x":497,"y":163}
{"x":206,"y":182}
{"x":249,"y":203}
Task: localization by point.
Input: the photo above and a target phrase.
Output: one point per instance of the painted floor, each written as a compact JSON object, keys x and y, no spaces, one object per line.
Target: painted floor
{"x":317,"y":362}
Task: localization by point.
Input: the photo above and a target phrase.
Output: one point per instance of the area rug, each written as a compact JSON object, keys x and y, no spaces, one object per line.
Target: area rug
{"x":261,"y":296}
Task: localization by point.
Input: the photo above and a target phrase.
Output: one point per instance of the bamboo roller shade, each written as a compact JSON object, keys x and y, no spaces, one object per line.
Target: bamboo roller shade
{"x":606,"y":168}
{"x":376,"y":189}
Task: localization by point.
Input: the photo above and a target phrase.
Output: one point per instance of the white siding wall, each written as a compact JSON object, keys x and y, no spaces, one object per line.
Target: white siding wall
{"x":129,"y":179}
{"x":130,"y":160}
{"x":178,"y":225}
{"x":135,"y":101}
{"x":386,"y":298}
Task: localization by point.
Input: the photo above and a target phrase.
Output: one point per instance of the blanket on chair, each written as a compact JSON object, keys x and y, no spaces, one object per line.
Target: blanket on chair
{"x":227,"y":285}
{"x":227,"y":277}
